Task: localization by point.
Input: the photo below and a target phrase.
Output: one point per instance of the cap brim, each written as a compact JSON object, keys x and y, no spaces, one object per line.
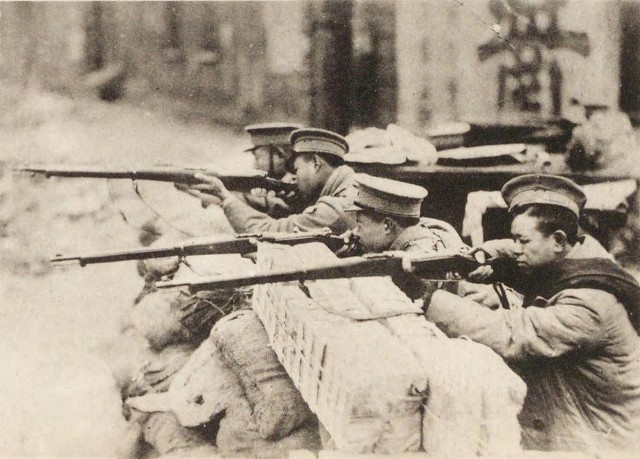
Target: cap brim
{"x":288,"y":165}
{"x":353,"y":208}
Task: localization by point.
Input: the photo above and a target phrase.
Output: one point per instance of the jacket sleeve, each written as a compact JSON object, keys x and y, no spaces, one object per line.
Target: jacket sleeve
{"x":499,"y":248}
{"x":447,"y":233}
{"x":572,"y":322}
{"x":326,"y":212}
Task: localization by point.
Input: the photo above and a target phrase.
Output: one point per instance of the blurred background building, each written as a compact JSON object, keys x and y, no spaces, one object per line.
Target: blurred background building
{"x":335,"y":64}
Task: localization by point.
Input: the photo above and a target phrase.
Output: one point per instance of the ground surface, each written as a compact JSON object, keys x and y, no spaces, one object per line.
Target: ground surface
{"x":56,"y":391}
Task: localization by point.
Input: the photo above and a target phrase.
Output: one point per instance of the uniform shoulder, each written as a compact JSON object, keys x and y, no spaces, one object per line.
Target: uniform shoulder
{"x":598,"y":301}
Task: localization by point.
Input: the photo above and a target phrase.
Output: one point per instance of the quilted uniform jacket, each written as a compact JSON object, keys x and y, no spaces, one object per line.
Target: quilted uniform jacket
{"x":578,"y":353}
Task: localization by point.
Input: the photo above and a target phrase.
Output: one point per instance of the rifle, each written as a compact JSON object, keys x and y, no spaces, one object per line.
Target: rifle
{"x":233,"y":182}
{"x":433,"y":266}
{"x":240,"y":244}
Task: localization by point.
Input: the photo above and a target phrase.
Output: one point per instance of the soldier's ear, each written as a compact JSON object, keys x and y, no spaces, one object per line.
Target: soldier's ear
{"x":317,"y":161}
{"x":560,"y":239}
{"x":388,"y":224}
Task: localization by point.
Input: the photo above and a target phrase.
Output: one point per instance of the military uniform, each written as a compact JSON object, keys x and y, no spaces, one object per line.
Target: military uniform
{"x":397,"y":199}
{"x":573,"y":341}
{"x":328,"y":211}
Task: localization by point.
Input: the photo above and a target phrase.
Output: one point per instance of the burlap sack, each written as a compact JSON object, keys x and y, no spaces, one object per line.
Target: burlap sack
{"x":165,"y":434}
{"x":157,"y":372}
{"x":199,"y":312}
{"x":204,"y":387}
{"x":169,"y":317}
{"x":238,"y":436}
{"x":154,"y":318}
{"x":473,"y":402}
{"x":128,"y":352}
{"x":278,"y":407}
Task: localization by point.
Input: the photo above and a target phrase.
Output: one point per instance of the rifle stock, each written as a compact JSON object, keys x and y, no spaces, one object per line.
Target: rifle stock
{"x":429,"y":266}
{"x":233,"y":182}
{"x":241,"y":244}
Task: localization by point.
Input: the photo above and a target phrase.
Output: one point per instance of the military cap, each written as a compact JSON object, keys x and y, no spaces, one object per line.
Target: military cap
{"x":313,"y":140}
{"x":388,"y":197}
{"x":270,"y":134}
{"x":543,"y":189}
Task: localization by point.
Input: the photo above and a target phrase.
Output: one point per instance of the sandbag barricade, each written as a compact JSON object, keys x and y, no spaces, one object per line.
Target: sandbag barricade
{"x":278,"y":408}
{"x":364,"y":385}
{"x":369,"y":381}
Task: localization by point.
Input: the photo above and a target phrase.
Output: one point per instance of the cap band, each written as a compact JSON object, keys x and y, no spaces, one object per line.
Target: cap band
{"x":311,"y":145}
{"x":383,"y":206}
{"x":542,"y":196}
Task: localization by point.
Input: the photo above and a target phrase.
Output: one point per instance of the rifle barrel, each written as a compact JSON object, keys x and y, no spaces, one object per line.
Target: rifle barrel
{"x":216,"y":246}
{"x":241,"y":244}
{"x":234,"y":181}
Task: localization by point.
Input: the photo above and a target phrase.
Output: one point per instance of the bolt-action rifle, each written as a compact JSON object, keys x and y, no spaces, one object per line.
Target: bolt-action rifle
{"x":240,"y":244}
{"x":233,"y":182}
{"x":433,"y":266}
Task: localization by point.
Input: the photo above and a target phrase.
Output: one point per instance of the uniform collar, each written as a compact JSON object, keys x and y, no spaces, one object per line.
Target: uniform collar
{"x":340,"y":179}
{"x":410,"y":234}
{"x":588,"y":247}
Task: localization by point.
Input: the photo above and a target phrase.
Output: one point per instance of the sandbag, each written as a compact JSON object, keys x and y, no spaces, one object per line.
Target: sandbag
{"x":165,"y":434}
{"x":473,"y":403}
{"x":168,"y":317}
{"x":278,"y":407}
{"x":128,"y":352}
{"x":156,"y":373}
{"x":238,"y":435}
{"x":200,"y":312}
{"x":204,"y":387}
{"x":154,"y":319}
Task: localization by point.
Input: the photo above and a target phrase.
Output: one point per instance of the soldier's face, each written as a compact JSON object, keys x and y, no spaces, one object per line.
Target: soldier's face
{"x":308,"y":179}
{"x":533,"y":249}
{"x":372,"y":232}
{"x":270,"y":159}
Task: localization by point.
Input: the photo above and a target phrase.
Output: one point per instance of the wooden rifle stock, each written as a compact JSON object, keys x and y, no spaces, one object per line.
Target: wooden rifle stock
{"x":434,"y":266}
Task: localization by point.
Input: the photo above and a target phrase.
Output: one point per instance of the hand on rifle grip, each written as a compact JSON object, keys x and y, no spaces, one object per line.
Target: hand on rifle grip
{"x":352,"y":246}
{"x":206,"y":200}
{"x":211,"y":185}
{"x":483,"y":273}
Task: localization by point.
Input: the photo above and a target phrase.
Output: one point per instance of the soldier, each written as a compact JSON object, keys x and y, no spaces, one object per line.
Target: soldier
{"x":388,"y":218}
{"x":271,"y":151}
{"x":322,"y":178}
{"x":573,"y":340}
{"x":271,"y":147}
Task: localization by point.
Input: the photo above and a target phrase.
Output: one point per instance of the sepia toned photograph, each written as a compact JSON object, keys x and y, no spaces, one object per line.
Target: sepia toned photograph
{"x":320,"y":229}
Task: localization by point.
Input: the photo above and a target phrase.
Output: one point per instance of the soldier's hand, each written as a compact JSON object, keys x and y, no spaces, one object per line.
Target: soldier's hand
{"x":211,"y":185}
{"x":159,"y":267}
{"x":428,"y":289}
{"x":206,"y":200}
{"x":276,"y":204}
{"x":352,"y":246}
{"x":484,"y":272}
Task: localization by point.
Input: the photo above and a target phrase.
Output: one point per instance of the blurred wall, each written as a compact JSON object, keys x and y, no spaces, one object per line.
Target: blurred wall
{"x":41,"y":43}
{"x":241,"y":61}
{"x":413,"y":61}
{"x":441,"y":74}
